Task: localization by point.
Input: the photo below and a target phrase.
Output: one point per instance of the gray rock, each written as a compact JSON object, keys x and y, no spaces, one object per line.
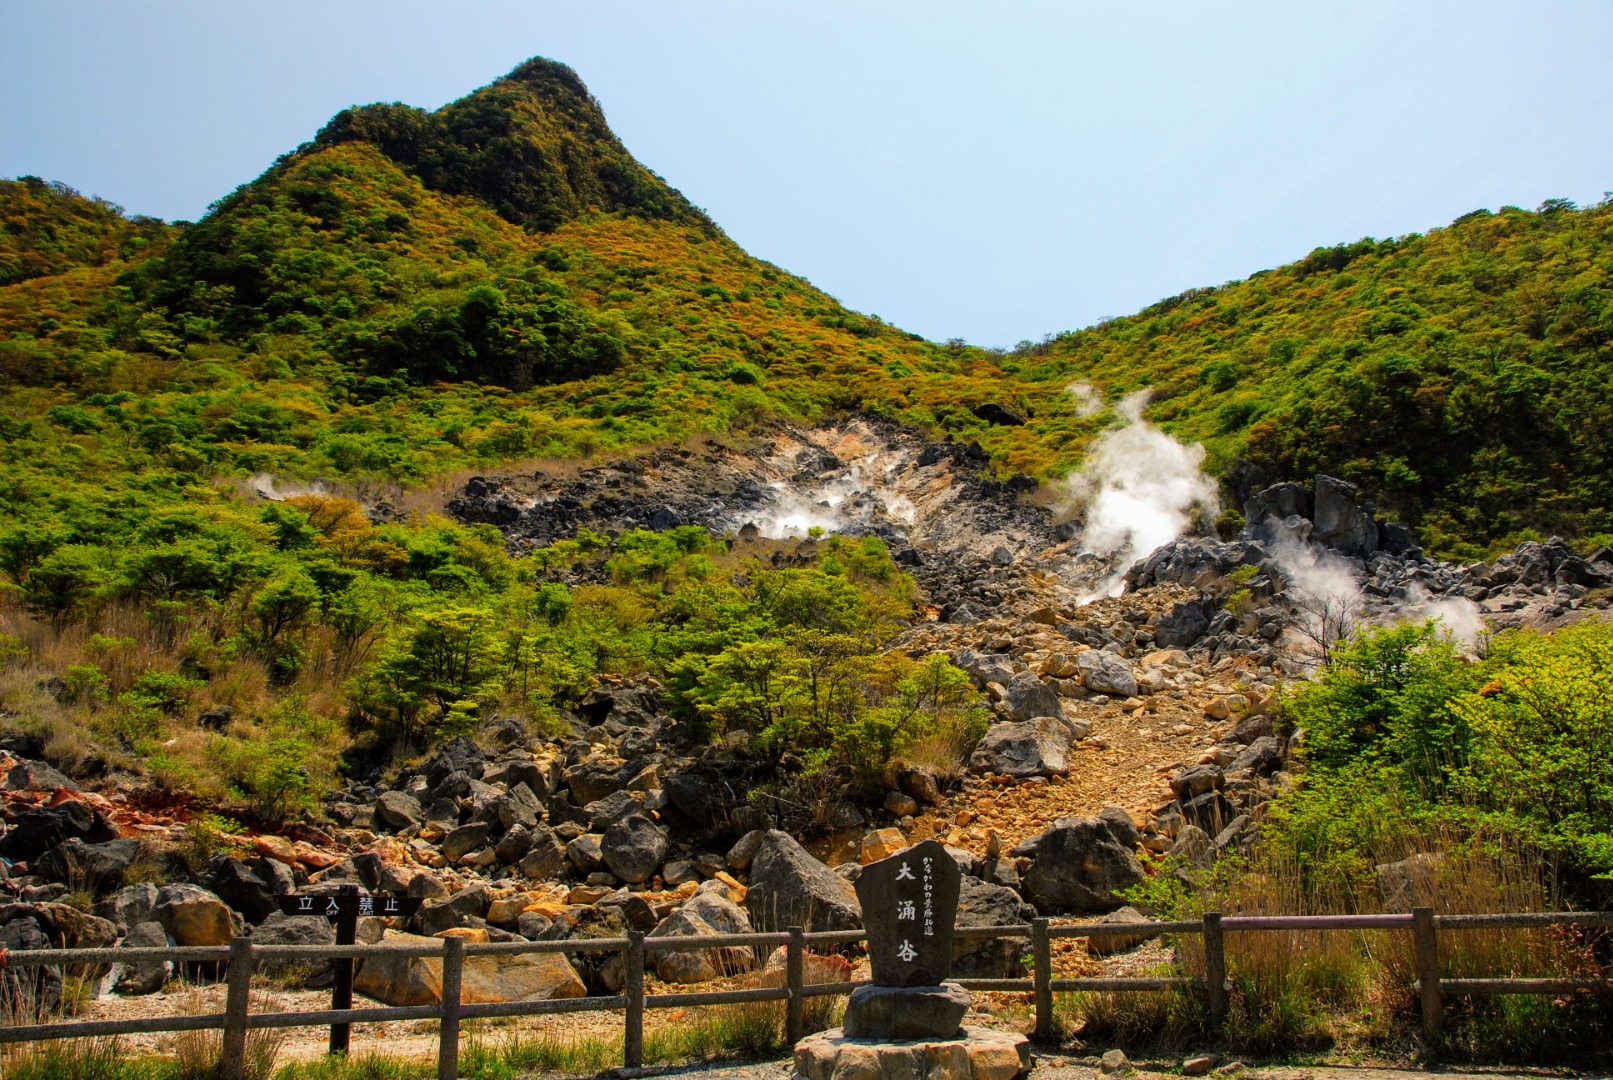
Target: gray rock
{"x":1183,"y":624}
{"x":1106,"y":944}
{"x":1262,"y":757}
{"x":585,"y":853}
{"x":744,"y":849}
{"x":1194,"y":846}
{"x":464,"y":840}
{"x":788,"y":887}
{"x":594,"y":778}
{"x":545,"y":856}
{"x":1106,"y":673}
{"x":981,"y":903}
{"x":519,"y":807}
{"x":891,"y":1012}
{"x":1039,"y":747}
{"x":513,"y":845}
{"x":1026,"y":697}
{"x":282,"y":929}
{"x":440,"y":915}
{"x":146,"y":977}
{"x":1079,"y":866}
{"x":1340,"y":523}
{"x":1276,"y":503}
{"x":129,"y":906}
{"x":702,"y":915}
{"x":634,"y":848}
{"x":100,"y":866}
{"x":612,"y":808}
{"x":1411,"y":882}
{"x":1210,"y":811}
{"x":398,"y":810}
{"x":235,"y":884}
{"x":1119,"y":821}
{"x":459,"y":755}
{"x":985,"y":667}
{"x":37,"y":776}
{"x":1197,"y":780}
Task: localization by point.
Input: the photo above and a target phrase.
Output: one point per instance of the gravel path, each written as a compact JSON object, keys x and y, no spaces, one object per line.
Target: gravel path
{"x":1055,"y":1067}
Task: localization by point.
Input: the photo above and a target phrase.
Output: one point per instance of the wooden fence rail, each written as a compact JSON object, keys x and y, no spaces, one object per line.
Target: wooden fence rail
{"x":241,"y":956}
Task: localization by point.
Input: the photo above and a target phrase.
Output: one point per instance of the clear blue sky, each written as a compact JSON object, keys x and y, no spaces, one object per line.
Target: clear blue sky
{"x":985,"y":171}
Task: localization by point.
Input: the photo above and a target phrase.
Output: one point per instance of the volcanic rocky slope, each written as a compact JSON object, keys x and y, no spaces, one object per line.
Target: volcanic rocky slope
{"x":1127,"y":729}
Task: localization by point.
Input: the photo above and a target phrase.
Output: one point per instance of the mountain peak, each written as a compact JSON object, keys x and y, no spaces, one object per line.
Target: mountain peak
{"x":533,"y":144}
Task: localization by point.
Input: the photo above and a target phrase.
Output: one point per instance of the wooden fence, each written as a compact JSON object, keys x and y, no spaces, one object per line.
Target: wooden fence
{"x":241,"y":955}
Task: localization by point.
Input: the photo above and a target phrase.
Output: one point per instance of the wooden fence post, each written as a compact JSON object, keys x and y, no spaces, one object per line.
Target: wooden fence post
{"x":633,"y":1036}
{"x":1215,"y":969}
{"x":1426,"y":938}
{"x":453,"y":971}
{"x":1042,"y":959}
{"x":238,"y":990}
{"x":795,"y":979}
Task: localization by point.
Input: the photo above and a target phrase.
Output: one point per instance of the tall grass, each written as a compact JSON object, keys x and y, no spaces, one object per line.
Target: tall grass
{"x":1299,"y":991}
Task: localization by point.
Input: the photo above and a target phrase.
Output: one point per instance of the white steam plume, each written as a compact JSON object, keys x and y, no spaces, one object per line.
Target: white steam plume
{"x":266,"y":487}
{"x":1088,"y":402}
{"x":1139,"y":487}
{"x":1333,"y":603}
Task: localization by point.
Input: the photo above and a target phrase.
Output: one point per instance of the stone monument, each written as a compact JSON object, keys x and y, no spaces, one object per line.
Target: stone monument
{"x":908,"y":1024}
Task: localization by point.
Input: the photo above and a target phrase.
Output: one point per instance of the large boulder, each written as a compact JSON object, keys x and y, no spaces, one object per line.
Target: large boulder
{"x":1107,"y":673}
{"x":99,"y":866}
{"x":594,"y":778}
{"x":1026,"y":697}
{"x":634,"y":848}
{"x":611,"y":809}
{"x":446,"y":914}
{"x":546,"y":855}
{"x":981,"y":903}
{"x":985,"y":668}
{"x":1263,"y":756}
{"x":788,"y":887}
{"x":464,"y":840}
{"x":34,"y":832}
{"x":1105,"y":944}
{"x":194,"y":916}
{"x":696,"y":796}
{"x":147,"y":976}
{"x":282,"y":929}
{"x":1340,"y":523}
{"x":417,"y":980}
{"x":1183,"y":624}
{"x":1077,"y":865}
{"x":458,"y":755}
{"x":519,"y":807}
{"x":31,"y":994}
{"x":704,"y":914}
{"x":238,"y":886}
{"x":37,"y":776}
{"x":1263,"y":510}
{"x":1039,"y":747}
{"x":129,"y":906}
{"x":398,"y":809}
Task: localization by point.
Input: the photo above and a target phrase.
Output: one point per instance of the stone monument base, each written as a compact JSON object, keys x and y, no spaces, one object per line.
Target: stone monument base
{"x":906,"y":1012}
{"x":973,"y":1054}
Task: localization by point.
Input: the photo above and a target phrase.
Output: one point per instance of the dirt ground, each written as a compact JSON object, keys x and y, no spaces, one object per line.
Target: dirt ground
{"x":1065,"y":1068}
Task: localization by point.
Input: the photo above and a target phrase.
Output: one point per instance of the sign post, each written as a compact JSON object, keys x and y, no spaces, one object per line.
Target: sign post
{"x":345,"y":908}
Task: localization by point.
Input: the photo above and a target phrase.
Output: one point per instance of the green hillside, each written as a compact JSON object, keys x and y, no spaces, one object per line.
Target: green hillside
{"x":1461,"y":376}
